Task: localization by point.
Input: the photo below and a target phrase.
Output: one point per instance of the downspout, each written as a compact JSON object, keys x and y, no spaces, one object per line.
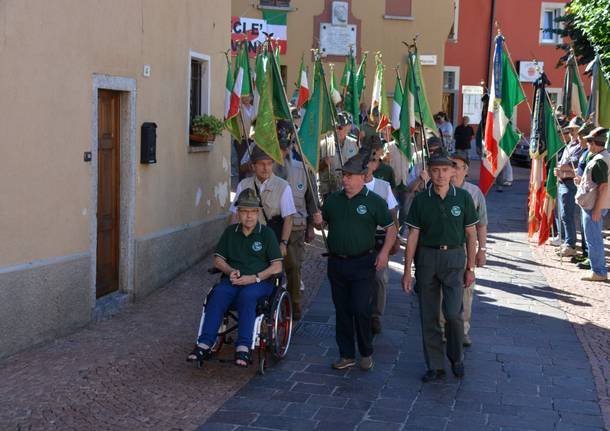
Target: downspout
{"x":492,"y":18}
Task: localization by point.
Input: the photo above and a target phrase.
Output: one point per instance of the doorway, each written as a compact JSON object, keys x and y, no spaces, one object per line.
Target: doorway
{"x":108,"y":193}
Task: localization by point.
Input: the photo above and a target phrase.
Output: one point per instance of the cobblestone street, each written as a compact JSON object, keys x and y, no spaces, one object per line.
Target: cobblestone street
{"x":527,"y":369}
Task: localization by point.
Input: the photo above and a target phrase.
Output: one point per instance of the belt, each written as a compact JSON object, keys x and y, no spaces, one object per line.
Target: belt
{"x":346,"y":257}
{"x":442,"y":247}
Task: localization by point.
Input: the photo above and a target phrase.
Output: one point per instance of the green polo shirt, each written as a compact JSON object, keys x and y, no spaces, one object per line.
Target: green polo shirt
{"x":352,"y":222}
{"x":442,"y":221}
{"x":249,"y":254}
{"x":385,"y":172}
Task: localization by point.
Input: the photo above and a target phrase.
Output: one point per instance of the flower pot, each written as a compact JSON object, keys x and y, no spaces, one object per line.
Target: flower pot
{"x":201,"y":139}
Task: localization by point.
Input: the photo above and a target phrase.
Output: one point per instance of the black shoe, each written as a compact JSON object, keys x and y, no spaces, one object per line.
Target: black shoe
{"x":376,"y":325}
{"x":578,"y":259}
{"x":458,"y":369}
{"x":584,"y":265}
{"x":433,"y":375}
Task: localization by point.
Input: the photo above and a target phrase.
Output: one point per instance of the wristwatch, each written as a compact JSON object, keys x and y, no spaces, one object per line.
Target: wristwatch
{"x":285,"y":242}
{"x":257,"y":278}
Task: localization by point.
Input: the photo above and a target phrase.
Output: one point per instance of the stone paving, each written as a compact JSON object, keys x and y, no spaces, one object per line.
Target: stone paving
{"x":128,"y":372}
{"x":525,"y":371}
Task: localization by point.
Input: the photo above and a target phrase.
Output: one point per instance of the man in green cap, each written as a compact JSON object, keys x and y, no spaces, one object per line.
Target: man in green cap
{"x":275,"y":195}
{"x":247,"y":254}
{"x":353,"y":215}
{"x":462,"y":164}
{"x":441,"y":219}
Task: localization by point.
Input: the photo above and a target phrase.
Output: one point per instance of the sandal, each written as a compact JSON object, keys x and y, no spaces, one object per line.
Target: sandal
{"x":243,"y":356}
{"x":199,"y":354}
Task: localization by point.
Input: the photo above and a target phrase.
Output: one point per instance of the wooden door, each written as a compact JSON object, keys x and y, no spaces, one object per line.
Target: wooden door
{"x":108,"y":198}
{"x":448,"y":104}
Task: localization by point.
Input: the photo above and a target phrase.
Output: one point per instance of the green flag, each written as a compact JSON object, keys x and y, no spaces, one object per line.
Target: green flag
{"x":603,"y":105}
{"x":574,"y":97}
{"x":361,"y":77}
{"x":347,"y":71}
{"x":316,"y":121}
{"x":421,"y":102}
{"x":407,"y":115}
{"x":280,"y":104}
{"x":351,"y":100}
{"x":265,"y":131}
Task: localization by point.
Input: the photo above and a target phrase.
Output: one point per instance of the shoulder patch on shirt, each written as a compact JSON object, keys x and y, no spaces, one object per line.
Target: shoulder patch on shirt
{"x":456,"y":211}
{"x":361,"y":209}
{"x":257,"y":246}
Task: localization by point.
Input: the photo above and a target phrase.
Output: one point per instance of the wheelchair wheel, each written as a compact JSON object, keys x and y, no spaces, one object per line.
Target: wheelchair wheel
{"x":281,"y":325}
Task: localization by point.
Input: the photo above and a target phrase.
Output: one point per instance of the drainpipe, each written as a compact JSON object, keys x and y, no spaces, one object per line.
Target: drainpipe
{"x":492,"y":18}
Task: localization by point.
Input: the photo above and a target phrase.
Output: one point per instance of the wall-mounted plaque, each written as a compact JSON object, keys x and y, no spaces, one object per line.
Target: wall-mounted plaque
{"x":336,"y":40}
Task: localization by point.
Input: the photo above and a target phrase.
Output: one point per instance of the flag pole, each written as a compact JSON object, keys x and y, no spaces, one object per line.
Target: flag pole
{"x":512,"y":65}
{"x":298,"y":142}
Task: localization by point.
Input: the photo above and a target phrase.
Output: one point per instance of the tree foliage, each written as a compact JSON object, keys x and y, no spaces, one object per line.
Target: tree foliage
{"x":587,"y":24}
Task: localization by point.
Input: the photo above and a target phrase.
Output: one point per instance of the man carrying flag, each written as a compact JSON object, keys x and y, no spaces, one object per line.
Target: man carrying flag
{"x":500,"y":139}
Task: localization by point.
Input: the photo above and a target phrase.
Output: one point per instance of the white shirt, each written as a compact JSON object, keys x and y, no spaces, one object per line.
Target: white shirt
{"x":390,"y":199}
{"x":287,"y":207}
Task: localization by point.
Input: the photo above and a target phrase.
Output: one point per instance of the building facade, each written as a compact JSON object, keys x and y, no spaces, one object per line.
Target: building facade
{"x":467,"y":52}
{"x":372,"y":26}
{"x":86,"y":220}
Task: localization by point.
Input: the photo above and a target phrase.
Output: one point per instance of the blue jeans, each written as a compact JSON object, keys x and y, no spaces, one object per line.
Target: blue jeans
{"x":244,"y":298}
{"x":567,"y":209}
{"x":595,"y":241}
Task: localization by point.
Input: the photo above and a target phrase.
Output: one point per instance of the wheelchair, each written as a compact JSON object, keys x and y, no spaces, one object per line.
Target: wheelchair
{"x":272,"y":326}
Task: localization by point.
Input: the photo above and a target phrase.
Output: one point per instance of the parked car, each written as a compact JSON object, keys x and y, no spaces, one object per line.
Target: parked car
{"x":521,"y":155}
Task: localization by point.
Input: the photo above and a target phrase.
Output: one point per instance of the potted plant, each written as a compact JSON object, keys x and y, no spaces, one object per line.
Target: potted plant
{"x":204,"y":129}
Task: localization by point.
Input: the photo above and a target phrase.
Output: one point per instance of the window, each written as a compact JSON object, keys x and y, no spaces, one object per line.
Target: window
{"x":199,"y":86}
{"x":555,"y":95}
{"x":451,"y":78}
{"x":398,"y":9}
{"x":549,"y":13}
{"x":453,"y":33}
{"x":274,"y":3}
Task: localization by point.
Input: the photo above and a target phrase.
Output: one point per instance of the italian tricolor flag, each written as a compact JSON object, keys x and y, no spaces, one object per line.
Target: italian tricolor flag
{"x":500,"y":139}
{"x":277,"y":24}
{"x":396,"y":103}
{"x":231,"y":104}
{"x":379,"y":99}
{"x":302,"y":86}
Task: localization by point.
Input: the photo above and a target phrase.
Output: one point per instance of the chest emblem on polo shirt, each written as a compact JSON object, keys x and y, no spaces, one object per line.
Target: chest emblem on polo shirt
{"x":300,"y":186}
{"x":456,"y":211}
{"x":257,"y":246}
{"x":361,"y":209}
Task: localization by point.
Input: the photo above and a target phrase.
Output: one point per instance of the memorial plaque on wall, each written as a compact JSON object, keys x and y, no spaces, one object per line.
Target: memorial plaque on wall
{"x":336,"y":40}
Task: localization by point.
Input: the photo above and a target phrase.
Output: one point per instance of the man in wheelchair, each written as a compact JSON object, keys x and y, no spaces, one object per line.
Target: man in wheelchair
{"x":247,"y":254}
